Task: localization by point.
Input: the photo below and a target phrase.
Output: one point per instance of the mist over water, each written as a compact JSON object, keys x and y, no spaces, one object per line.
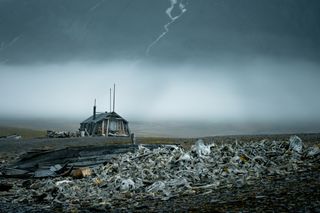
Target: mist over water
{"x":225,"y":67}
{"x":258,"y":97}
{"x":260,"y":90}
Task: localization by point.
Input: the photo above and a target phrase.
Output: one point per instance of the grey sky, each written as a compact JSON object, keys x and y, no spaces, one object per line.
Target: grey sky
{"x":58,"y":31}
{"x":223,"y":60}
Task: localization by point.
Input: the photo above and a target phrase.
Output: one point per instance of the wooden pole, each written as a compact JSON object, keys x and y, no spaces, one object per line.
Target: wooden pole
{"x":110,"y":99}
{"x":114,"y":96}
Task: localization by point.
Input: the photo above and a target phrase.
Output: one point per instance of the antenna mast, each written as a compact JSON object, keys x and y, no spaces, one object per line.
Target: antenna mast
{"x":114,"y":96}
{"x":110,"y":99}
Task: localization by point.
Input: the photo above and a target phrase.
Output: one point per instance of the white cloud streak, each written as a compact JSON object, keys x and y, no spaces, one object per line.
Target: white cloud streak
{"x":169,"y":10}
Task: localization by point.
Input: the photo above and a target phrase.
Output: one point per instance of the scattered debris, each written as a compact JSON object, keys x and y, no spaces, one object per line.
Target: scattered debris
{"x":12,"y":137}
{"x":313,"y":151}
{"x":41,"y":163}
{"x":296,"y":144}
{"x":60,"y":134}
{"x":170,"y":171}
{"x":58,"y":183}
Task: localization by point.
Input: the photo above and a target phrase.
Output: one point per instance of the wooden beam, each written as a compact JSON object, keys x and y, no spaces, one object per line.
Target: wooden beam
{"x":102,"y":128}
{"x":107,"y":133}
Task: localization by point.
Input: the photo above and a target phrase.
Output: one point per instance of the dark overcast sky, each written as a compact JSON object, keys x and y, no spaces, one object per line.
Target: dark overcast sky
{"x":221,"y":60}
{"x":62,"y":30}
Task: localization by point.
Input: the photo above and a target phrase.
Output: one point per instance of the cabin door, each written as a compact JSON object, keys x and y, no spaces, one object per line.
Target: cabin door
{"x":116,"y":126}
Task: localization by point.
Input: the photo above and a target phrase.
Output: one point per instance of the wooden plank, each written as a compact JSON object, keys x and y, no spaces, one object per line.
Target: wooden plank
{"x":69,"y":157}
{"x":107,"y":134}
{"x":102,"y":128}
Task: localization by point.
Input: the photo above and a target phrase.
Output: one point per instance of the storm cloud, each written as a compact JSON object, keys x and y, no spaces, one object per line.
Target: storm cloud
{"x":223,"y":60}
{"x":56,"y":31}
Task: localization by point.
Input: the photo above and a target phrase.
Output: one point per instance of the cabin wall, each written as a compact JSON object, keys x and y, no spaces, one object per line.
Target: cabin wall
{"x":107,"y":127}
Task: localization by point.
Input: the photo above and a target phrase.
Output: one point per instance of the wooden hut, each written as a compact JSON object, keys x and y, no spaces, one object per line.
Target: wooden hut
{"x":106,"y":123}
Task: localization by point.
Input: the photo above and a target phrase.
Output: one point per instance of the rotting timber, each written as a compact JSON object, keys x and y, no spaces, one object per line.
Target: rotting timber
{"x":61,"y":162}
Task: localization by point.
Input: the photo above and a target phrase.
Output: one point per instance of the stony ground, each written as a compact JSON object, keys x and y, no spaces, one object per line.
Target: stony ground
{"x":297,"y":192}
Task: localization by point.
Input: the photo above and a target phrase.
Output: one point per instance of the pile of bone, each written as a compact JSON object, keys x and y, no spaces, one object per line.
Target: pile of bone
{"x":171,"y":171}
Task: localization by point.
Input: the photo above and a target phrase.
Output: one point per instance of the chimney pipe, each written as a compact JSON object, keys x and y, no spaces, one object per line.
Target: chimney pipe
{"x":94,"y":110}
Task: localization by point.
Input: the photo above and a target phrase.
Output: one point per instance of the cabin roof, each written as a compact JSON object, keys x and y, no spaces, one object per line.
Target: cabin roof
{"x":102,"y":116}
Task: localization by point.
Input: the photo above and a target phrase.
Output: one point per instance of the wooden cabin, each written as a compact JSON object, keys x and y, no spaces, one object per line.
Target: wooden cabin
{"x":105,"y":124}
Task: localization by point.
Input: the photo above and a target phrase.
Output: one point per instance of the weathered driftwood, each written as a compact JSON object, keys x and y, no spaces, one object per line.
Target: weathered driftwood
{"x":51,"y":163}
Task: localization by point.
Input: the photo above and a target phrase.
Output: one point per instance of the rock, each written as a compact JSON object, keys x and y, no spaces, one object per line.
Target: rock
{"x":4,"y":187}
{"x":81,"y":172}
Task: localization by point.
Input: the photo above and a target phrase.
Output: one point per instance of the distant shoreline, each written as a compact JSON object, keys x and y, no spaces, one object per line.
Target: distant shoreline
{"x":172,"y":129}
